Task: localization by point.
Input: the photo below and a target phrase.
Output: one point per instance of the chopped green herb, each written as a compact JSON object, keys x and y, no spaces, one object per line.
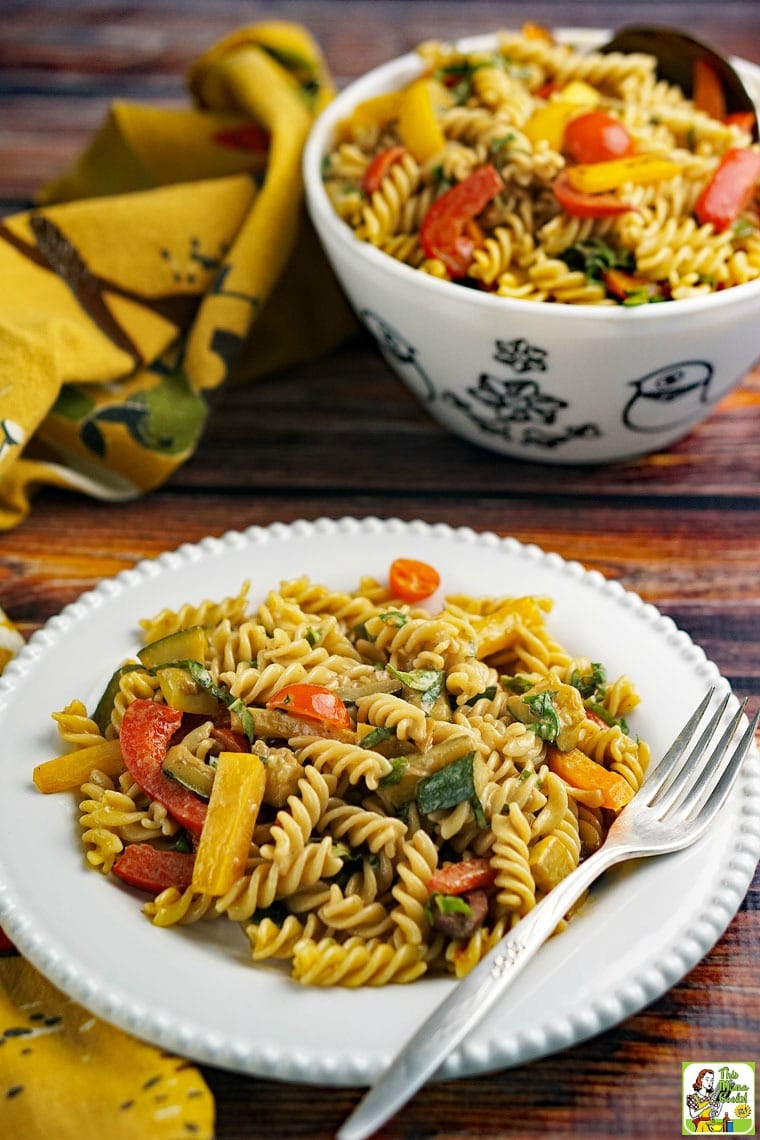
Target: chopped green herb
{"x":394,"y":617}
{"x":500,"y":143}
{"x":377,"y":736}
{"x":427,"y":682}
{"x":520,"y":683}
{"x":182,"y":843}
{"x":605,"y":715}
{"x":439,"y":903}
{"x":594,"y":257}
{"x":546,"y":723}
{"x":399,"y":765}
{"x":742,"y":228}
{"x":487,"y":695}
{"x":313,"y":636}
{"x":588,"y":683}
{"x":448,"y":786}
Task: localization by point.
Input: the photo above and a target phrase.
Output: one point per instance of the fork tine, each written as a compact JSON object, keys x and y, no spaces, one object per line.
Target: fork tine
{"x":657,"y":776}
{"x":722,"y":789}
{"x":697,"y":779}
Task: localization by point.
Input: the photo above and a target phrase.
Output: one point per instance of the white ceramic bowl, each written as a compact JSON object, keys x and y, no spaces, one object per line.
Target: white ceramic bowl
{"x":574,"y":384}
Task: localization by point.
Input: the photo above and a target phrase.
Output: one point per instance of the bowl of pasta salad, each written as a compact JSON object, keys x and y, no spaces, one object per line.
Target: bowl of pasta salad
{"x":555,"y":249}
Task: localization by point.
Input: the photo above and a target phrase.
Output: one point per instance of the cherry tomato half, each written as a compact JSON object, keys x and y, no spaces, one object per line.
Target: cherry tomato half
{"x":312,"y":702}
{"x":411,"y":580}
{"x":597,"y":137}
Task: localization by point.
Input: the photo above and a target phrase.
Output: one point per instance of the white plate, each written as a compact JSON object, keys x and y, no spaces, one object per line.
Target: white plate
{"x":192,"y":990}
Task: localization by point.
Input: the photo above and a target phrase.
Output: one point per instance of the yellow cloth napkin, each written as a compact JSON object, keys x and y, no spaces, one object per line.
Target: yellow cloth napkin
{"x":66,"y":1075}
{"x":173,"y":256}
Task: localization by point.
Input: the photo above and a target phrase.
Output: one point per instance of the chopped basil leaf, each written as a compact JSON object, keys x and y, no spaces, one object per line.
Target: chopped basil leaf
{"x":276,"y":913}
{"x":446,"y":904}
{"x":182,"y":843}
{"x":605,"y":715}
{"x":377,"y":736}
{"x":594,"y":256}
{"x":428,"y":682}
{"x":546,"y":723}
{"x":588,"y":683}
{"x":518,"y":684}
{"x":393,"y":617}
{"x":487,"y":695}
{"x":448,"y":786}
{"x":399,"y":765}
{"x":313,"y":636}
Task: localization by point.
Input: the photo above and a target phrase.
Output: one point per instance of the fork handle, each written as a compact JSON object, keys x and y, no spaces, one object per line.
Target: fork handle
{"x":453,"y":1019}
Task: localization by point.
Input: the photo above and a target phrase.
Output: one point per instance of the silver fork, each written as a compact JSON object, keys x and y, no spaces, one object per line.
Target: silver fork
{"x":674,"y":806}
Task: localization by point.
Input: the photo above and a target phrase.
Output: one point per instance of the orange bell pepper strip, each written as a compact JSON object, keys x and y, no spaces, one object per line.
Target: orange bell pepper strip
{"x":730,"y":190}
{"x":580,"y":771}
{"x":442,"y":229}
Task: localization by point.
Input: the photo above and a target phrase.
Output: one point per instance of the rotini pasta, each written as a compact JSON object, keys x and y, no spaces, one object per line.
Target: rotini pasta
{"x":415,"y":788}
{"x":533,"y":113}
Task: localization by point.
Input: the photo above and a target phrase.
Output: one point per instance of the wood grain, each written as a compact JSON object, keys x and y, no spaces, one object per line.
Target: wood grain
{"x":342,"y":436}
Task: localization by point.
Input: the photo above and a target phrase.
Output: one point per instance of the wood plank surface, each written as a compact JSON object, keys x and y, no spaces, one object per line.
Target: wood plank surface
{"x":342,"y":436}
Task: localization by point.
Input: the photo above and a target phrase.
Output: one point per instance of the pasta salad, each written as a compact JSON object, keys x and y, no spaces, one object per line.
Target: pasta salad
{"x":372,"y":789}
{"x":544,"y":173}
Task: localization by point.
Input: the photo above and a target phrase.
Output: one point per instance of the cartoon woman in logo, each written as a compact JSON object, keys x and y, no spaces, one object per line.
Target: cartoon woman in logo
{"x":705,"y":1105}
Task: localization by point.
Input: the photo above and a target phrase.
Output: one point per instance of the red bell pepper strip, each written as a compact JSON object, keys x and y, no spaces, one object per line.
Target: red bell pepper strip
{"x":744,"y":120}
{"x":578,"y":204}
{"x":457,"y":878}
{"x":312,"y":702}
{"x":729,"y":190}
{"x":379,"y":167}
{"x":597,"y":137}
{"x":146,"y":729}
{"x":229,"y":740}
{"x":708,"y":90}
{"x":143,"y":866}
{"x":442,"y":230}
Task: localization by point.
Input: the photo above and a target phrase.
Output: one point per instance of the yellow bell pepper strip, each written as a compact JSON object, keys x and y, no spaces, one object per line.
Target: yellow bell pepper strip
{"x":379,"y":166}
{"x":597,"y":137}
{"x":374,"y":112}
{"x":708,"y":90}
{"x":548,"y":123}
{"x":442,"y":229}
{"x":730,"y":189}
{"x":418,"y":125}
{"x":233,"y":809}
{"x":580,"y":93}
{"x":580,"y":771}
{"x":531,"y":31}
{"x":151,"y":870}
{"x":597,"y":177}
{"x":579,"y":205}
{"x":73,"y":768}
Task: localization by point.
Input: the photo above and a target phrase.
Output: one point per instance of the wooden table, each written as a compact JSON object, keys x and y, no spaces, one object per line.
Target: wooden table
{"x":342,"y":436}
